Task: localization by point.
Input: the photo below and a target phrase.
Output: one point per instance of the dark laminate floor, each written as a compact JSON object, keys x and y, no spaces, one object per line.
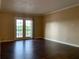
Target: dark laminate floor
{"x":37,"y":49}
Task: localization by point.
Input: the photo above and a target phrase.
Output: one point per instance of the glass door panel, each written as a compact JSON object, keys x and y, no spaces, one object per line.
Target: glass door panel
{"x":19,"y":28}
{"x":28,"y":28}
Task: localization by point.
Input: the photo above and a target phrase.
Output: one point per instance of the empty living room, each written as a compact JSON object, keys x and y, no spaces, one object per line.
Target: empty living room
{"x":39,"y":29}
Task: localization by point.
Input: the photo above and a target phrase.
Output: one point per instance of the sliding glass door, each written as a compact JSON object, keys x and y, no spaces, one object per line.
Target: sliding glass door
{"x":24,"y":28}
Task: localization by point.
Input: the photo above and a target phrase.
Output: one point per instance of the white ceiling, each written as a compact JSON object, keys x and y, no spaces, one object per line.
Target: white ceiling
{"x":35,"y":6}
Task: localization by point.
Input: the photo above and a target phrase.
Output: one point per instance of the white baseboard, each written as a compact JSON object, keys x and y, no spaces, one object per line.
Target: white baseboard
{"x":37,"y":37}
{"x":17,"y":39}
{"x":75,"y":45}
{"x":7,"y":41}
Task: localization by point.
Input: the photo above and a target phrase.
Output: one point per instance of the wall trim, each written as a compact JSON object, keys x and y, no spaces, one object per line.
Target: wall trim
{"x":18,"y":39}
{"x":6,"y":41}
{"x":61,"y":42}
{"x":71,"y":6}
{"x":37,"y":37}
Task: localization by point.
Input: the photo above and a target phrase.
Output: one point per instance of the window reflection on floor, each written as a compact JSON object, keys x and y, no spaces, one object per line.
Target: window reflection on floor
{"x":23,"y":49}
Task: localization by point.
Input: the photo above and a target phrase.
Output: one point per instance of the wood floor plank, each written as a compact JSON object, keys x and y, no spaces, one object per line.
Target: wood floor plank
{"x":37,"y":49}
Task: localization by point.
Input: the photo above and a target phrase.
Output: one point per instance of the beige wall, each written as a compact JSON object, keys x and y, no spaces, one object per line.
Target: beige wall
{"x":63,"y":26}
{"x":38,"y":27}
{"x":7,"y":30}
{"x":7,"y":23}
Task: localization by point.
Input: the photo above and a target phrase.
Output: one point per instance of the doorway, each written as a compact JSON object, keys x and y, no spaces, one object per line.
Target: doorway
{"x":24,"y":28}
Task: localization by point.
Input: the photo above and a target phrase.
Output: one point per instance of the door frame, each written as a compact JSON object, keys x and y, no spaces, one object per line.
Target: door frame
{"x":24,"y":33}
